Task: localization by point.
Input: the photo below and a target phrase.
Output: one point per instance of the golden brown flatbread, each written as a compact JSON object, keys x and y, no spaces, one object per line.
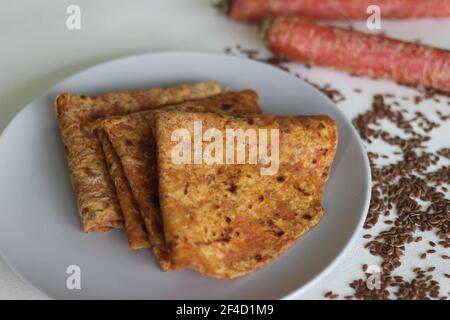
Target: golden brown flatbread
{"x":94,"y":190}
{"x":134,"y":224}
{"x":132,"y":139}
{"x":227,"y":220}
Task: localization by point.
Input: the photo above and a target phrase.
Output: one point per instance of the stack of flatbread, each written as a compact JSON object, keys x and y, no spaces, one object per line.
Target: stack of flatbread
{"x":219,"y":218}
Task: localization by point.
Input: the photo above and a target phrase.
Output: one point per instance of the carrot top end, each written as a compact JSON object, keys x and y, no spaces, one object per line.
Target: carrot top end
{"x":264,"y":28}
{"x":223,"y":7}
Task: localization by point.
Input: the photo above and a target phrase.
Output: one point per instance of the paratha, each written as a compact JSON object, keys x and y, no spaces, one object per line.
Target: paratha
{"x":227,"y":220}
{"x":132,"y":139}
{"x":134,"y":224}
{"x":96,"y":197}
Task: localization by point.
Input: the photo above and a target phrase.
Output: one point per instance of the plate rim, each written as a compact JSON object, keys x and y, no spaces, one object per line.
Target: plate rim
{"x":360,"y":146}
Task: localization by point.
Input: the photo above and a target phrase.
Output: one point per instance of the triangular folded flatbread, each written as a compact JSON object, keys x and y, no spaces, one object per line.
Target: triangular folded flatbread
{"x":132,"y":140}
{"x":95,"y":193}
{"x":227,"y":220}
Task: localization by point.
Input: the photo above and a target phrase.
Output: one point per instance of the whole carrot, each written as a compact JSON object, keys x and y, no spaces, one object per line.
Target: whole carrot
{"x":256,"y":10}
{"x":358,"y":53}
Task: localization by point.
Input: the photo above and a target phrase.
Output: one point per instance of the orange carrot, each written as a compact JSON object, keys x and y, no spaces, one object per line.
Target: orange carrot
{"x":376,"y":56}
{"x":257,"y":10}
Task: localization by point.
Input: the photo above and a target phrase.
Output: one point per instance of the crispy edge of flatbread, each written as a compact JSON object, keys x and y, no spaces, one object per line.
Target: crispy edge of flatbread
{"x":96,"y":198}
{"x":134,"y":225}
{"x":95,"y":194}
{"x":132,"y":139}
{"x":209,"y":257}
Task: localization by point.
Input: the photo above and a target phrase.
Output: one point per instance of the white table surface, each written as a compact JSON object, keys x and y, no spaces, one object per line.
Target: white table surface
{"x":37,"y":51}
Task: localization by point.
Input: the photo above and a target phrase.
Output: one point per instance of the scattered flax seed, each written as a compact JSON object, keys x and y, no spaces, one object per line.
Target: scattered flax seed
{"x":333,"y":94}
{"x":445,"y":257}
{"x":421,"y":287}
{"x":403,"y":186}
{"x":444,"y":244}
{"x":444,"y":153}
{"x":431,"y":243}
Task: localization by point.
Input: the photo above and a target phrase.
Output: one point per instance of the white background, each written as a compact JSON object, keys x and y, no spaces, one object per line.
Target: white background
{"x":37,"y":51}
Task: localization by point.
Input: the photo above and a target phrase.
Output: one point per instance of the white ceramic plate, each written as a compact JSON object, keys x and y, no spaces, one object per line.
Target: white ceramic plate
{"x":40,"y":233}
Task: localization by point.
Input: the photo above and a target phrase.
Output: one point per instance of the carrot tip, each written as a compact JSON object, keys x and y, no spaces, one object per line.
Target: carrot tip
{"x":264,"y":28}
{"x":223,"y":6}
